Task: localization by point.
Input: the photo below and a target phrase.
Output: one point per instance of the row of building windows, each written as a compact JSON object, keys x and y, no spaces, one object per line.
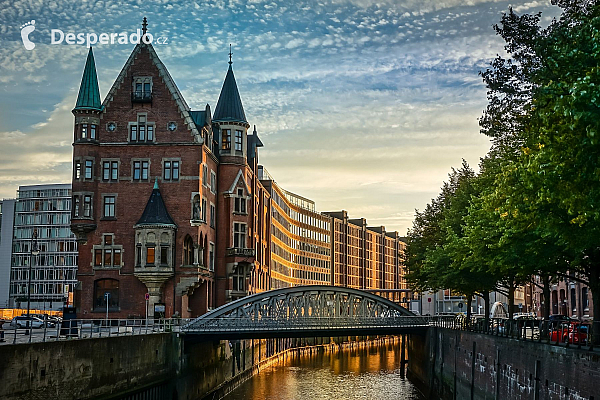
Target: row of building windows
{"x":43,"y":218}
{"x":52,"y":246}
{"x":140,"y":170}
{"x":44,"y":232}
{"x":44,"y":260}
{"x":43,"y":274}
{"x":42,"y":205}
{"x":44,"y":193}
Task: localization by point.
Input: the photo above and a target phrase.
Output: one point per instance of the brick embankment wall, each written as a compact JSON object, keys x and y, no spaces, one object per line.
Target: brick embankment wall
{"x":453,"y":364}
{"x":85,"y":369}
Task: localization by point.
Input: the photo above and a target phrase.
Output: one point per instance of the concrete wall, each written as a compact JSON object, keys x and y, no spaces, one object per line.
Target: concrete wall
{"x":463,"y":365}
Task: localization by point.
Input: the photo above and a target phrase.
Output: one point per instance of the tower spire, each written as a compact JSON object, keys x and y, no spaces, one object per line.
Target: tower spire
{"x":144,"y":26}
{"x":89,"y":91}
{"x":230,"y":54}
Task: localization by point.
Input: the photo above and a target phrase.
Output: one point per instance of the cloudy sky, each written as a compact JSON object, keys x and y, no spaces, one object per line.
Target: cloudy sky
{"x":362,"y":105}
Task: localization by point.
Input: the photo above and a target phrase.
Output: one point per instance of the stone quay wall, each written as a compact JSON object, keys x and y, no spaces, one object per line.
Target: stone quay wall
{"x":452,"y":364}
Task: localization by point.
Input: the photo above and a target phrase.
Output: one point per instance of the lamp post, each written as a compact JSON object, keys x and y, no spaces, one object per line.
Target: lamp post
{"x":107,"y":297}
{"x":34,"y":251}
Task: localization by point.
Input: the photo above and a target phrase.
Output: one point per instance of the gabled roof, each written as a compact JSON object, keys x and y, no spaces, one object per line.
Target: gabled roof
{"x":229,"y":107}
{"x":89,"y":91}
{"x":168,"y":80}
{"x":155,"y":212}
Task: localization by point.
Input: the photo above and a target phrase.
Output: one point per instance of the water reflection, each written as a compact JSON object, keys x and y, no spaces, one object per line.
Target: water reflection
{"x":359,"y":373}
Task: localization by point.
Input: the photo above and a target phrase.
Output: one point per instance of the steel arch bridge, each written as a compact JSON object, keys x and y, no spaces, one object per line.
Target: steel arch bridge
{"x":306,"y":311}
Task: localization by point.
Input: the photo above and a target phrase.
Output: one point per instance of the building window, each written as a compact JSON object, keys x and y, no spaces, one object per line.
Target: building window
{"x":138,"y":255}
{"x":150,"y":255}
{"x":204,"y":175}
{"x":188,"y":251}
{"x":109,"y":206}
{"x":110,"y":170}
{"x":87,"y":206}
{"x":238,"y":141}
{"x":107,"y":254}
{"x":211,"y":256}
{"x":212,"y":215}
{"x":226,"y":139}
{"x":92,"y":131}
{"x":240,"y":202}
{"x":573,"y":300}
{"x":77,"y":170}
{"x":164,"y":255}
{"x":585,"y":302}
{"x":142,"y":90}
{"x":171,"y":170}
{"x":239,"y":235}
{"x":84,"y":131}
{"x":141,"y":130}
{"x":106,"y":290}
{"x":213,"y":182}
{"x":89,"y":164}
{"x":204,"y":210}
{"x":239,"y":279}
{"x":140,"y":170}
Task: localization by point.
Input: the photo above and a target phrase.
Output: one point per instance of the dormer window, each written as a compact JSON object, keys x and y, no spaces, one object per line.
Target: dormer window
{"x":142,"y":89}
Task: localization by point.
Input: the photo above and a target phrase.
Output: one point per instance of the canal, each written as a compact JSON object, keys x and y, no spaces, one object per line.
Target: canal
{"x":365,"y":372}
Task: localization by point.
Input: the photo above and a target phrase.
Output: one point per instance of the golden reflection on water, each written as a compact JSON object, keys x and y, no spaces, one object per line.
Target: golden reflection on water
{"x":358,"y":373}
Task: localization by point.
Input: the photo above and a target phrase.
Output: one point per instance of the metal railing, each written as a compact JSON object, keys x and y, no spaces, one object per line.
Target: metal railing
{"x":88,"y":329}
{"x":568,"y":333}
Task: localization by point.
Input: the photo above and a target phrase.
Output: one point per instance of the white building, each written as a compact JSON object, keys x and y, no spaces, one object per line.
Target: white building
{"x":45,"y":209}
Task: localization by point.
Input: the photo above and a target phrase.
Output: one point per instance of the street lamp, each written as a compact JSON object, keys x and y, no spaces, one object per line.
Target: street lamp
{"x":107,"y":297}
{"x":34,"y":251}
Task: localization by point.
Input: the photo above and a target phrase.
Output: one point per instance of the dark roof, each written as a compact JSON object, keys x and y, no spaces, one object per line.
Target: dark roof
{"x":89,"y":91}
{"x":199,"y":118}
{"x":229,"y":107}
{"x":156,"y":212}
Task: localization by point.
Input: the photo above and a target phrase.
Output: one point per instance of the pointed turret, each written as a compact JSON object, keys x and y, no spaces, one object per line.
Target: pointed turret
{"x":229,"y":107}
{"x":155,"y":212}
{"x":89,"y":91}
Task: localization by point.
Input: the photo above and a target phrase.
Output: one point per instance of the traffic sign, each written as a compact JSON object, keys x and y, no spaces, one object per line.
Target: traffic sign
{"x":147,"y":296}
{"x":460,"y":305}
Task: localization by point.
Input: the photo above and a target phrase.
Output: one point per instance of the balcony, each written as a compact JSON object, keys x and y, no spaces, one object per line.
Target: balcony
{"x":239,"y":252}
{"x":141,"y":97}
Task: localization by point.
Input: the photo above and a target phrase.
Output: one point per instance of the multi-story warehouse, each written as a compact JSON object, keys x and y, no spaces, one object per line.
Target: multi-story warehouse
{"x":300,"y":239}
{"x":172,"y":203}
{"x":367,"y":258}
{"x":43,"y":210}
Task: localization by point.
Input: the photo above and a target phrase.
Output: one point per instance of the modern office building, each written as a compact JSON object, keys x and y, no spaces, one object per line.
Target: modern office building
{"x":45,"y":210}
{"x":172,"y":203}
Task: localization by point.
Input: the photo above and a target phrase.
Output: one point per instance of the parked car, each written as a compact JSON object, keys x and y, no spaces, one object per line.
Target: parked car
{"x":572,"y":332}
{"x":24,"y":321}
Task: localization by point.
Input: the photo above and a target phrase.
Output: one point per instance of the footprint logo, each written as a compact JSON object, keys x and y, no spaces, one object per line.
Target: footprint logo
{"x":26,"y":29}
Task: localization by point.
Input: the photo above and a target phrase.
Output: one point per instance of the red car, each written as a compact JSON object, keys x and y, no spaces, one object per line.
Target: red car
{"x":571,"y":332}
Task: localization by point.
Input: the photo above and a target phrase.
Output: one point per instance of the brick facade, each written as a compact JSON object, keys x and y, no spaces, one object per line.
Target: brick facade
{"x":171,"y":203}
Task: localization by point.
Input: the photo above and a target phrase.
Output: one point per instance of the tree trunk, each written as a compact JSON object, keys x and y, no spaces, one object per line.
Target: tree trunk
{"x":594,"y":277}
{"x":469,"y":301}
{"x":511,"y":298}
{"x":546,"y":295}
{"x":486,"y":302}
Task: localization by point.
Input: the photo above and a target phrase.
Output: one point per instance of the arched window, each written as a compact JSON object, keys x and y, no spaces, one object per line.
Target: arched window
{"x":106,"y":289}
{"x":188,"y":251}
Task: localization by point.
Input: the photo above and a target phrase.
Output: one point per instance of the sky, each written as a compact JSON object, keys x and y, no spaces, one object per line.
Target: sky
{"x":361,"y":105}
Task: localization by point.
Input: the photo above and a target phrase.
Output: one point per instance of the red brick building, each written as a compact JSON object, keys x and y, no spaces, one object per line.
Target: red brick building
{"x":173,"y":212}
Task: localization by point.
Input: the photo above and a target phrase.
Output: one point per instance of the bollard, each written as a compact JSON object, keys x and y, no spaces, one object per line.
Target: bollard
{"x":2,"y":335}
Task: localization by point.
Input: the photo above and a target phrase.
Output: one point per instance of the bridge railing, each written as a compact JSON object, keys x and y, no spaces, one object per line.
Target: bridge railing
{"x":87,"y":329}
